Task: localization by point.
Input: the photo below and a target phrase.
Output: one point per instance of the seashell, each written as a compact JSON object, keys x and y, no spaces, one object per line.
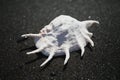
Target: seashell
{"x":61,"y":36}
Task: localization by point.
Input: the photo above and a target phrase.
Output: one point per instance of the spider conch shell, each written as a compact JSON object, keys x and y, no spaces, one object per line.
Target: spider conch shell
{"x":61,"y":36}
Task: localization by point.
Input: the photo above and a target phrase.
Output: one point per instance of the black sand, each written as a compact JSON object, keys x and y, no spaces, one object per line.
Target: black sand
{"x":28,"y":16}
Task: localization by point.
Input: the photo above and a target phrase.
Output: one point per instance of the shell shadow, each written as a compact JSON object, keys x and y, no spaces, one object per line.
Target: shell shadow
{"x":40,"y":56}
{"x":20,"y":39}
{"x":89,"y":47}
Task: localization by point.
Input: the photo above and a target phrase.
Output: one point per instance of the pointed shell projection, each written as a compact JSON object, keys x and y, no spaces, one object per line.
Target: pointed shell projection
{"x":61,"y":36}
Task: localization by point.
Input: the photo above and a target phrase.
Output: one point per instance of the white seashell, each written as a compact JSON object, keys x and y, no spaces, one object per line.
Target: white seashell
{"x":63,"y":35}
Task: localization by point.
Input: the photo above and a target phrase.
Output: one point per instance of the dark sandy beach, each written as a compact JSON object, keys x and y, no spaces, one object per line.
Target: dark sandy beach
{"x":18,"y":17}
